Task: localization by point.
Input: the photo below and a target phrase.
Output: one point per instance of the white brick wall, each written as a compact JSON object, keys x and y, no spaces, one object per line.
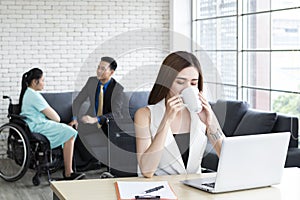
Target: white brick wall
{"x":66,"y":38}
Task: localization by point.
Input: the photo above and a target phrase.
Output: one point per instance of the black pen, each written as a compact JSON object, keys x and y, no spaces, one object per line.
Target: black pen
{"x":143,"y":197}
{"x":154,"y":189}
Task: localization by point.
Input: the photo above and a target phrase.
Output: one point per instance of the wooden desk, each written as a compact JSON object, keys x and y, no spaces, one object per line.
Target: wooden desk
{"x":103,"y":189}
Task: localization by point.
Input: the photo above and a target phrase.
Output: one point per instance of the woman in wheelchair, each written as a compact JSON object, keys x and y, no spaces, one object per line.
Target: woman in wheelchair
{"x":43,"y":119}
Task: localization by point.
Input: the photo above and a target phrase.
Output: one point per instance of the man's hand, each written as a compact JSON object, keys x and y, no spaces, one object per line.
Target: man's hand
{"x":89,"y":120}
{"x":74,"y":124}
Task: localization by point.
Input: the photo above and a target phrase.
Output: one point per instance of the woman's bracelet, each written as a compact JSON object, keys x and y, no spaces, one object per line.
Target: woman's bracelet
{"x":216,"y":136}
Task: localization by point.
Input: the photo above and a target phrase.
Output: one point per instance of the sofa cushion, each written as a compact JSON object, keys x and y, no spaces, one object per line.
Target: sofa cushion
{"x":229,"y":114}
{"x":135,"y":100}
{"x":256,"y":122}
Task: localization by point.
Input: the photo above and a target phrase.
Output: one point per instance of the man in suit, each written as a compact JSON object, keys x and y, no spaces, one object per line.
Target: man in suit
{"x":91,"y":146}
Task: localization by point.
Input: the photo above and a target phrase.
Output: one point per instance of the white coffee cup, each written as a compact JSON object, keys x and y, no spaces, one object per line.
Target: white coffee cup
{"x":191,"y":99}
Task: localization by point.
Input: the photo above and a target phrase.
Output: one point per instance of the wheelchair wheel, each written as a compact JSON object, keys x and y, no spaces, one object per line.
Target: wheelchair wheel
{"x":14,"y":152}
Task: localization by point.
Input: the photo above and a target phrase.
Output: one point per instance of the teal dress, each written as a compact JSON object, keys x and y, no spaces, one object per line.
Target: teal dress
{"x":32,"y":106}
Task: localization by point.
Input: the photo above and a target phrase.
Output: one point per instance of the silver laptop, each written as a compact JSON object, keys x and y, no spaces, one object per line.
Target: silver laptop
{"x":247,"y":162}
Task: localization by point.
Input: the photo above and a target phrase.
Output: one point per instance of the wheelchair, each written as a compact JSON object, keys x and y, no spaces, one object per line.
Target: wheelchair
{"x":20,"y":149}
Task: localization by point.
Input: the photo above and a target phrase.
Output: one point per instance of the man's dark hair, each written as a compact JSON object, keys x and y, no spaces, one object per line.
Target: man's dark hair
{"x":111,"y":61}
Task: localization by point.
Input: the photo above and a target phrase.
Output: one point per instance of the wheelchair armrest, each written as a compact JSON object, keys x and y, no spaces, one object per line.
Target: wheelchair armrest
{"x":15,"y":116}
{"x":18,"y":119}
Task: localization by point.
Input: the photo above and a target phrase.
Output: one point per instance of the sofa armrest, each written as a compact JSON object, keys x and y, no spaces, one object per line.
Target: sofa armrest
{"x":285,"y":123}
{"x":122,"y":148}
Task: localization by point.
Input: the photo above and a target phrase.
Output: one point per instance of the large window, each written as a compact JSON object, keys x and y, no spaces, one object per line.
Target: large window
{"x":254,"y":49}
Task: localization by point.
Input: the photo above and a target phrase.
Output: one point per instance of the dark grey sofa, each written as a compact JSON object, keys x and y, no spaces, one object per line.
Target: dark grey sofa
{"x":122,"y":157}
{"x":235,"y":117}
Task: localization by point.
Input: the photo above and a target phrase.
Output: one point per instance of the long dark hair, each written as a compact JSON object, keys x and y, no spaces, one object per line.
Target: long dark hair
{"x":171,"y":66}
{"x":27,"y":78}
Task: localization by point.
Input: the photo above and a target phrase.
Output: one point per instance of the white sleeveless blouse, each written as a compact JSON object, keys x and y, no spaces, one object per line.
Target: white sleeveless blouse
{"x":171,"y":161}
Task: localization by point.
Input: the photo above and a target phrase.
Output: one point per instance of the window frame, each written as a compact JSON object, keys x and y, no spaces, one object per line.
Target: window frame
{"x":241,"y":51}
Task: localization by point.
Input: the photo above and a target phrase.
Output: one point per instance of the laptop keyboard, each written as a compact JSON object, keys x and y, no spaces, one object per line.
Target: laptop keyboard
{"x":212,"y":185}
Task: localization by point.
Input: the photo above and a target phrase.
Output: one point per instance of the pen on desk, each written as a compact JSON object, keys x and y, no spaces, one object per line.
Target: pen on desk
{"x":143,"y":197}
{"x":154,"y":189}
